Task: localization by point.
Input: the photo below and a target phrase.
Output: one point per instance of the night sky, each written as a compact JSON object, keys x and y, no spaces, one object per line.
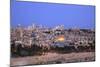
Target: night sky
{"x":52,"y":14}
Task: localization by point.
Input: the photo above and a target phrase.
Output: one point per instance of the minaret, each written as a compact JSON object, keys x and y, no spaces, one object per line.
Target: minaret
{"x":33,"y":25}
{"x":20,"y":31}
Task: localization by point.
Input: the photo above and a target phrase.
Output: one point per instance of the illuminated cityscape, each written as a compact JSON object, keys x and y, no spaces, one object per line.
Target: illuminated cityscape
{"x":49,"y":39}
{"x":51,"y":33}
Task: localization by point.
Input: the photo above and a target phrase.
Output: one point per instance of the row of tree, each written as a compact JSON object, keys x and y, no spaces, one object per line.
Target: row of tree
{"x":19,"y":50}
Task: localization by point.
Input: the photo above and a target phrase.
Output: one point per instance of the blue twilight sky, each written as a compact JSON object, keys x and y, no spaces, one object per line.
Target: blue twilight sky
{"x":51,"y":14}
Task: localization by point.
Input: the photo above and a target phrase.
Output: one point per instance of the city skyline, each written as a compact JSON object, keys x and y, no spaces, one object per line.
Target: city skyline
{"x":51,"y":15}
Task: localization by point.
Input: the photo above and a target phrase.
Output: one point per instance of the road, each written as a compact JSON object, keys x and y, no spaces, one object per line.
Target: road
{"x":52,"y":58}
